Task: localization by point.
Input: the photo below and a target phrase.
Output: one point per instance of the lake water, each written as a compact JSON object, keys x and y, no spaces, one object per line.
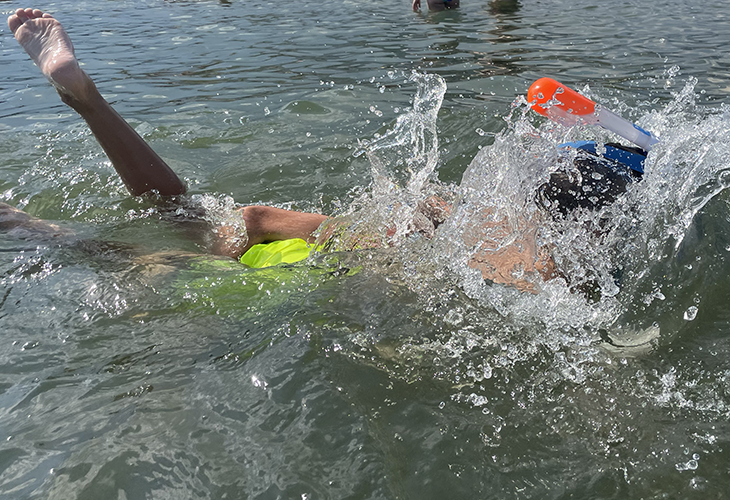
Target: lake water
{"x":128,"y":370}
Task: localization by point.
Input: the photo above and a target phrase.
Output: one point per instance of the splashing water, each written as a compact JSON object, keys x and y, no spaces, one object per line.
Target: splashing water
{"x":223,"y":215}
{"x":610,"y":262}
{"x":402,"y":165}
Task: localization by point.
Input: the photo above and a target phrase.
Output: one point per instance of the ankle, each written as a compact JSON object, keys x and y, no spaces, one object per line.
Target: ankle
{"x":84,"y":99}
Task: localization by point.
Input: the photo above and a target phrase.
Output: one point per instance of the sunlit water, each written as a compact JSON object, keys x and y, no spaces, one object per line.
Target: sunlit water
{"x":130,"y":368}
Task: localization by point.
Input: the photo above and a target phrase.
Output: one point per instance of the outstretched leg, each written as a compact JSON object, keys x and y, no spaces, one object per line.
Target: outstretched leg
{"x":141,"y":169}
{"x":50,"y":48}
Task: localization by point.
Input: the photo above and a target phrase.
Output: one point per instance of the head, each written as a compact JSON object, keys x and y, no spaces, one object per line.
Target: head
{"x":591,"y":181}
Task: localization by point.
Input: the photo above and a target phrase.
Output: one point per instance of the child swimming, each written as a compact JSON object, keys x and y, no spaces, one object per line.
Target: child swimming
{"x":295,"y":233}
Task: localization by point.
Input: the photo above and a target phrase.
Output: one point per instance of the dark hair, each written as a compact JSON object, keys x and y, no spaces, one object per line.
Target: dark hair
{"x":589,"y":181}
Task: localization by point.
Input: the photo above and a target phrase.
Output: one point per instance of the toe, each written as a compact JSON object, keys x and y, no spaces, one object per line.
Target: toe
{"x":14,"y":23}
{"x":21,"y":15}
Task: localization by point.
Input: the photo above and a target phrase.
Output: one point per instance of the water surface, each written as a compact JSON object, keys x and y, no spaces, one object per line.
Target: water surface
{"x":130,"y":372}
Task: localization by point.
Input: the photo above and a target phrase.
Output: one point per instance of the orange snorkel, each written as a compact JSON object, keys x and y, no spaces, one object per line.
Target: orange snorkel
{"x":564,"y":105}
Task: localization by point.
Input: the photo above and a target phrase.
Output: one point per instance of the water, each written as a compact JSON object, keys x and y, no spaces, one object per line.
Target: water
{"x":132,"y":371}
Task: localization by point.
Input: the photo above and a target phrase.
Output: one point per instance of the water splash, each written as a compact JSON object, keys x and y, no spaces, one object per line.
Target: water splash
{"x":611,"y":263}
{"x":223,"y":215}
{"x":402,"y":162}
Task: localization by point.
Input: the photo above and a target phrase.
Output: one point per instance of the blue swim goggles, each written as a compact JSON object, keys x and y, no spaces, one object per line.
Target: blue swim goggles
{"x":633,"y":158}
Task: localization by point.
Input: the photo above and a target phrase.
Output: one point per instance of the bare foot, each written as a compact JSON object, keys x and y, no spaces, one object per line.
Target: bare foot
{"x":50,"y":48}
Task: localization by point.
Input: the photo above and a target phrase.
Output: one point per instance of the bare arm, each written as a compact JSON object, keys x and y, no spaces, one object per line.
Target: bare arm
{"x":264,"y":224}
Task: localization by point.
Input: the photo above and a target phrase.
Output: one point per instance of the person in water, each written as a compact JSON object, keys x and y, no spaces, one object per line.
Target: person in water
{"x":436,"y":5}
{"x":500,"y":257}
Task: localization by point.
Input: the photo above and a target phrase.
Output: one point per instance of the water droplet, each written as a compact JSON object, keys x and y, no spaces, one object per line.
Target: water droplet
{"x":481,"y":132}
{"x":454,"y":317}
{"x":690,"y":313}
{"x":690,"y":465}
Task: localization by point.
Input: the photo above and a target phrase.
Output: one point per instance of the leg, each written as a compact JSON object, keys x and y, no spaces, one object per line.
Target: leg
{"x":48,"y":45}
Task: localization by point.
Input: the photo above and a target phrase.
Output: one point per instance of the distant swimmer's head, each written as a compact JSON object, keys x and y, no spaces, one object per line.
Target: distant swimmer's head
{"x":592,"y":180}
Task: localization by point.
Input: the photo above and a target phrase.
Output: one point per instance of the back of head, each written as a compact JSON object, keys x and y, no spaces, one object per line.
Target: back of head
{"x":591,"y":181}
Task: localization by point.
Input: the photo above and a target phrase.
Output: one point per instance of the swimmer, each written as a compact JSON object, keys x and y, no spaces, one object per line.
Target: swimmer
{"x":436,"y":5}
{"x":499,"y":255}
